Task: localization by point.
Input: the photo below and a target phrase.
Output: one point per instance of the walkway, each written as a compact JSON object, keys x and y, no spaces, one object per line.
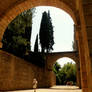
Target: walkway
{"x":54,"y":89}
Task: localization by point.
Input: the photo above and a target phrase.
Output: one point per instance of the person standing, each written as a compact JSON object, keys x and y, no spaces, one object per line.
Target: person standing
{"x":35,"y":84}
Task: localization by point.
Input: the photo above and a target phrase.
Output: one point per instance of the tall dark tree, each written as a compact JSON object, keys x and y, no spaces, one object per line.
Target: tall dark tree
{"x":51,"y":37}
{"x":17,"y":36}
{"x":43,"y":31}
{"x":36,"y":44}
{"x":46,"y":33}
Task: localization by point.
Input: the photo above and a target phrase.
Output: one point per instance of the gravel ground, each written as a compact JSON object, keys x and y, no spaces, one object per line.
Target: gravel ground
{"x":54,"y":89}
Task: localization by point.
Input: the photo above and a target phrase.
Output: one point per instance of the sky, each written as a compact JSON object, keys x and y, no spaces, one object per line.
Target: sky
{"x":65,"y":60}
{"x":63,"y":28}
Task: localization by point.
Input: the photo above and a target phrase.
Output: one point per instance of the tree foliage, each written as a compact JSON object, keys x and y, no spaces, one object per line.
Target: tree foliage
{"x":46,"y":33}
{"x":56,"y":68}
{"x":17,"y":36}
{"x":65,"y":74}
{"x":36,"y":44}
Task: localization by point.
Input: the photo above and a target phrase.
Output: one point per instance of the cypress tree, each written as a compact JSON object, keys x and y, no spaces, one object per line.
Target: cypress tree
{"x":43,"y":31}
{"x":46,"y":33}
{"x":51,"y":37}
{"x":36,"y":44}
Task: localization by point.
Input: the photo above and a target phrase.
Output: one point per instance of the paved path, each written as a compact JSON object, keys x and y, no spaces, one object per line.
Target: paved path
{"x":54,"y":89}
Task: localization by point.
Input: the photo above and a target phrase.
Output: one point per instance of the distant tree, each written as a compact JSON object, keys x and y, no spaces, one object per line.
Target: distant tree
{"x":70,"y":70}
{"x":46,"y":33}
{"x":65,"y":74}
{"x":36,"y":44}
{"x":57,"y":67}
{"x":56,"y":70}
{"x":51,"y":35}
{"x":74,"y":43}
{"x":43,"y":31}
{"x":17,"y":36}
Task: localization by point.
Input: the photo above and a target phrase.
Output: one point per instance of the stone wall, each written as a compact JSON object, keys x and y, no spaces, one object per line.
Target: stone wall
{"x":16,"y":73}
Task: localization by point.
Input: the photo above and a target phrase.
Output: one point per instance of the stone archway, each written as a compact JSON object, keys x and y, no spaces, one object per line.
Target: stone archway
{"x":19,"y":7}
{"x":65,"y":60}
{"x":53,"y":57}
{"x":10,"y":9}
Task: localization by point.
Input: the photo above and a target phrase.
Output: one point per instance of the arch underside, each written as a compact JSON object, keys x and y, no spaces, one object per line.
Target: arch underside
{"x":53,"y":57}
{"x":11,"y":12}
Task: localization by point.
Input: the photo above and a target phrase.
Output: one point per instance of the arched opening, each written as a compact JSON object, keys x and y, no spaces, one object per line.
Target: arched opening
{"x":63,"y":27}
{"x":67,"y":72}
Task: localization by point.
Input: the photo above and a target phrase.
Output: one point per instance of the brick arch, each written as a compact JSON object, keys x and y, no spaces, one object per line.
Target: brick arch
{"x":53,"y":57}
{"x":77,"y":62}
{"x":18,"y":8}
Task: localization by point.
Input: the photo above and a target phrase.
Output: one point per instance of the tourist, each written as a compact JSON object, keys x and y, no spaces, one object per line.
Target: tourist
{"x":35,"y":84}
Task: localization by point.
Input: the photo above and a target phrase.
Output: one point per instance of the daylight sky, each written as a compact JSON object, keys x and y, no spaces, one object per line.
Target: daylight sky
{"x":65,"y":60}
{"x":63,"y":28}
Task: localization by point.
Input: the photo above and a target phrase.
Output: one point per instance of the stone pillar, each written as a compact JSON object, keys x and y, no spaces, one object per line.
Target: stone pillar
{"x":50,"y":78}
{"x":78,"y":74}
{"x":83,"y":69}
{"x":85,"y":49}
